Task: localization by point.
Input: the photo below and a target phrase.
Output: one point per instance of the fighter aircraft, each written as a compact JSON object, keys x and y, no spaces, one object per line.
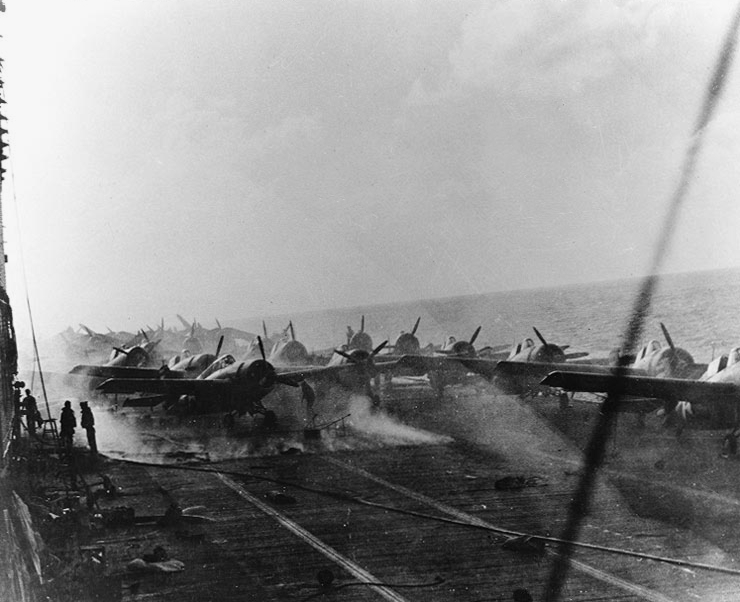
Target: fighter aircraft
{"x":238,"y":388}
{"x":406,"y":343}
{"x":525,"y":366}
{"x":253,"y":349}
{"x":718,"y":387}
{"x":226,"y":385}
{"x":527,"y":363}
{"x":360,"y":339}
{"x":447,"y":366}
{"x":353,"y":369}
{"x":525,"y":369}
{"x":135,"y":357}
{"x":288,"y":351}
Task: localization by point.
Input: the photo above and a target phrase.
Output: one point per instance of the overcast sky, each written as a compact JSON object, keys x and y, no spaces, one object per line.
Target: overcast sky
{"x":234,"y":158}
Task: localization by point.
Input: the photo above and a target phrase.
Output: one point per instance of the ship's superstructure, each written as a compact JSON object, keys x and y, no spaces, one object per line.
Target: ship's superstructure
{"x":8,"y":350}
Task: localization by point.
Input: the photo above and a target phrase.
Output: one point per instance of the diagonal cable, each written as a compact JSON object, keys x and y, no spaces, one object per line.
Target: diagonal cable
{"x":594,"y":454}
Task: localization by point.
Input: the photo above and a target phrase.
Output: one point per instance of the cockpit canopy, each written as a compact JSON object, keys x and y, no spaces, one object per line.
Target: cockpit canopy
{"x":219,"y":364}
{"x":651,"y":347}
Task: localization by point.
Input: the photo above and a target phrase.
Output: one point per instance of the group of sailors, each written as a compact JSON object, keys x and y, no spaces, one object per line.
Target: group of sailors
{"x":67,"y":422}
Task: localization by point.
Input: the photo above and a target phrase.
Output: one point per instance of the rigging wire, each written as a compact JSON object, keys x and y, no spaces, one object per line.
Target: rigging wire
{"x":594,"y":454}
{"x":37,"y":357}
{"x":508,"y":533}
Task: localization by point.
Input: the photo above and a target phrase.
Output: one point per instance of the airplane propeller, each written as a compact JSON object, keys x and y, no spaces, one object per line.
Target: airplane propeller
{"x":539,"y":336}
{"x":292,"y":330}
{"x":220,"y":344}
{"x":667,"y":336}
{"x":378,"y":349}
{"x":359,"y":361}
{"x":413,"y":330}
{"x":269,"y":376}
{"x":475,"y":335}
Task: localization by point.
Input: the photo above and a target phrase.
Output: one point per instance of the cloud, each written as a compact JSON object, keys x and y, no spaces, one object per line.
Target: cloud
{"x":546,"y":49}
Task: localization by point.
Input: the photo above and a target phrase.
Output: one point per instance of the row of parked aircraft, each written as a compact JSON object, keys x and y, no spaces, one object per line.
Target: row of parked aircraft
{"x":205,"y":381}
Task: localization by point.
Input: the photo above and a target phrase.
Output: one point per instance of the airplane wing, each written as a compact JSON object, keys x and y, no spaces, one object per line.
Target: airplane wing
{"x":540,"y":370}
{"x":428,"y":363}
{"x":174,"y":386}
{"x":694,"y":391}
{"x":119,"y":372}
{"x":327,"y":372}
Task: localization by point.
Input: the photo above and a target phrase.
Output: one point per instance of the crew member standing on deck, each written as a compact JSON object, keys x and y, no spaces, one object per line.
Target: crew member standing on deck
{"x":31,"y":410}
{"x":68,"y":424}
{"x":87,"y":421}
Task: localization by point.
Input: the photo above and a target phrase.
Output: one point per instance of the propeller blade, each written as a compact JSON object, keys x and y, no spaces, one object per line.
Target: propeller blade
{"x":378,"y":349}
{"x":264,"y":329}
{"x":292,"y":330}
{"x":346,"y":356}
{"x":475,"y":335}
{"x":413,"y":330}
{"x":262,"y":347}
{"x":218,"y":324}
{"x":667,"y":336}
{"x":362,"y":324}
{"x":539,"y":336}
{"x":220,"y":344}
{"x":120,"y":350}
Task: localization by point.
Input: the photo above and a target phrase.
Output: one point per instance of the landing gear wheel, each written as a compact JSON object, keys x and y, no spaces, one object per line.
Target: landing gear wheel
{"x":269,"y":420}
{"x":228,"y":421}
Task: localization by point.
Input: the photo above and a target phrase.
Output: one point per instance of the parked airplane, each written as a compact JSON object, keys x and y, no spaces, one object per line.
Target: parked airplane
{"x":288,"y":351}
{"x":138,"y":356}
{"x":238,"y":388}
{"x":525,"y":365}
{"x":353,"y":369}
{"x":407,"y":343}
{"x":652,"y":360}
{"x":718,"y":387}
{"x":253,"y":349}
{"x":226,"y":385}
{"x":359,"y":340}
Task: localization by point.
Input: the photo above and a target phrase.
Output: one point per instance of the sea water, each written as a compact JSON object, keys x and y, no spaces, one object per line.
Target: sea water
{"x":701,"y":311}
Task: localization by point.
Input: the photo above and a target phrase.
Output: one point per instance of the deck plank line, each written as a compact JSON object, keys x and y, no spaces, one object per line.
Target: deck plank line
{"x":351,"y":567}
{"x":628,"y":586}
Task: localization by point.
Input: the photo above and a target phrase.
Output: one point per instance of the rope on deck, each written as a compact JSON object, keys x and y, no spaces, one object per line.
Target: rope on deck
{"x":452,"y":521}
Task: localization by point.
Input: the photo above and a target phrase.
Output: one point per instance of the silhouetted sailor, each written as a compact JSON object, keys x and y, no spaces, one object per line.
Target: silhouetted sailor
{"x":31,"y":409}
{"x":68,"y":423}
{"x":87,"y":421}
